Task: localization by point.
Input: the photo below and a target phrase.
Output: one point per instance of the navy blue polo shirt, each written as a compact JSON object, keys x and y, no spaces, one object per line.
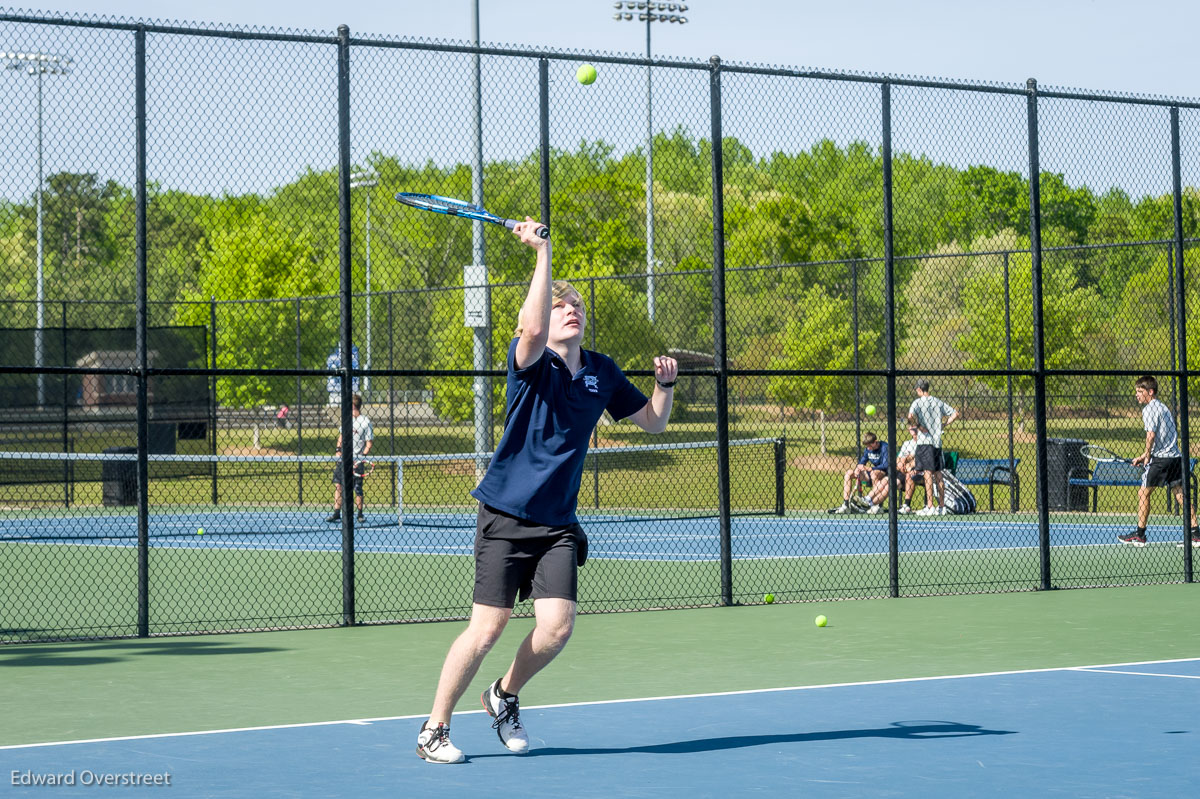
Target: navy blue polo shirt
{"x":878,"y":459}
{"x":537,"y":468}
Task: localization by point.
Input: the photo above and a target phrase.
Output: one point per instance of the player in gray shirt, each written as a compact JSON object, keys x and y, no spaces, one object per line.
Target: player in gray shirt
{"x":926,"y":414}
{"x":1161,"y":458}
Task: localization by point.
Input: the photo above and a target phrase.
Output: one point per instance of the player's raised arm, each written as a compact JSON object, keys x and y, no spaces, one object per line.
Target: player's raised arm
{"x":655,"y":414}
{"x":535,"y":312}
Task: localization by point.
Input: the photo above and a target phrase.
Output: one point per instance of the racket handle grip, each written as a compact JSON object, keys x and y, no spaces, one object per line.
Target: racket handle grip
{"x":543,"y":232}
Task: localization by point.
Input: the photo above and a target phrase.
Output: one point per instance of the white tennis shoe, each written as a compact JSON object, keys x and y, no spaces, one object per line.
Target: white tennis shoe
{"x":507,"y":714}
{"x":927,"y":511}
{"x":433,"y":745}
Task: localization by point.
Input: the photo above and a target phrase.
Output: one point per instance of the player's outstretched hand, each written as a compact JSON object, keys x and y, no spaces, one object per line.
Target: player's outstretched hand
{"x":527,"y":232}
{"x":665,"y":369}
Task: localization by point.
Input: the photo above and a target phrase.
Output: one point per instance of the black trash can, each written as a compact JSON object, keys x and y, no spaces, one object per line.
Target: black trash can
{"x":119,"y":478}
{"x":1062,"y":459}
{"x":162,"y":438}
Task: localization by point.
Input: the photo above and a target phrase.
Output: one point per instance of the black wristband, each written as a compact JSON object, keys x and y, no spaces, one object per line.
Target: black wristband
{"x":665,"y":385}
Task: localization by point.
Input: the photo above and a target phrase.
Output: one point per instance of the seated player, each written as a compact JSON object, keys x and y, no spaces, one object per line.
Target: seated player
{"x":908,"y":475}
{"x":905,"y":472}
{"x":871,"y":469}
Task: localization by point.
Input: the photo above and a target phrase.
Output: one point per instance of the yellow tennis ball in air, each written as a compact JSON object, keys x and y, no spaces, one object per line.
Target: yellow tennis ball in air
{"x":768,"y":598}
{"x":199,"y":531}
{"x":870,"y":409}
{"x":586,"y":74}
{"x":822,"y":621}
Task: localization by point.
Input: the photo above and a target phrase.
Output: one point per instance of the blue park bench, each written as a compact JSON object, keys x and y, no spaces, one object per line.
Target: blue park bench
{"x":989,"y":472}
{"x":1115,"y":474}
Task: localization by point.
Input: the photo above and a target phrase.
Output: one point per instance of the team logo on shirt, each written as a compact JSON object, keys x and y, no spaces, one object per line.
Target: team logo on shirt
{"x":592,"y":383}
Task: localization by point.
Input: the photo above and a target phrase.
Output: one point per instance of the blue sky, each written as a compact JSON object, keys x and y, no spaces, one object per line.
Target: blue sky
{"x":231,"y":118}
{"x":1144,"y":47}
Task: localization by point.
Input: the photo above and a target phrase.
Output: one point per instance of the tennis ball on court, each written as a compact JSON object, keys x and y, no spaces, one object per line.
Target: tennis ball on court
{"x":870,"y":409}
{"x":199,"y":531}
{"x":768,"y":598}
{"x":586,"y":74}
{"x":822,"y":621}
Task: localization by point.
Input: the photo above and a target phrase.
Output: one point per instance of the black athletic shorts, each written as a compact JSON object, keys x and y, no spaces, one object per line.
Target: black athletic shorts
{"x":337,"y":479}
{"x":928,"y":458}
{"x":1163,"y":472}
{"x":516,"y":559}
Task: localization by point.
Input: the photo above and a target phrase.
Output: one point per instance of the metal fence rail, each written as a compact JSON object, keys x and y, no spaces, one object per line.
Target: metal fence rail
{"x":805,"y":243}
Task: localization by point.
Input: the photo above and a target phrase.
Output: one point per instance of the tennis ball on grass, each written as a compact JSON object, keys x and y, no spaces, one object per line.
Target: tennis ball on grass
{"x":586,"y":74}
{"x":822,"y":621}
{"x":768,"y":598}
{"x":870,"y":409}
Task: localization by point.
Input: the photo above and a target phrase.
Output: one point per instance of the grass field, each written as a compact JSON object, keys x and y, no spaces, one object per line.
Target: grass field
{"x":812,"y":477}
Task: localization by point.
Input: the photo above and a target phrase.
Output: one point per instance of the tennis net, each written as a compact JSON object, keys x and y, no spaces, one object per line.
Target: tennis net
{"x":677,"y":480}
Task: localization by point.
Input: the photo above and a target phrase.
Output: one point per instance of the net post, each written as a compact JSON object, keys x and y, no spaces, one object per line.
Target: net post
{"x":398,"y":490}
{"x":780,"y":445}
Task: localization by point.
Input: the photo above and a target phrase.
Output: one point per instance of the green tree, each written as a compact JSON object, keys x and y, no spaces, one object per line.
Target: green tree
{"x":260,"y":259}
{"x":1075,"y":323}
{"x":819,"y":337}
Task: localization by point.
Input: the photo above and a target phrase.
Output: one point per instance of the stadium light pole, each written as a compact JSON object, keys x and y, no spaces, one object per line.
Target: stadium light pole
{"x":650,"y":12}
{"x":366,"y":180}
{"x":480,"y":332}
{"x":39,"y":64}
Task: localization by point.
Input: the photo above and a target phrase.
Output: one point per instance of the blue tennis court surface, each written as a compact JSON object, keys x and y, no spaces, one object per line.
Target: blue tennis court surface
{"x":1109,"y":730}
{"x":686,"y":539}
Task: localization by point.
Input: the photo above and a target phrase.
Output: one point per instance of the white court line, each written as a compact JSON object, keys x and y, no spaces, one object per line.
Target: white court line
{"x":1136,"y":673}
{"x":366,"y":721}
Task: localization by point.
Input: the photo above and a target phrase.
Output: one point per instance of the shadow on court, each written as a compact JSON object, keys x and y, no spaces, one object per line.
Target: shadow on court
{"x":912,"y":730}
{"x":114,"y":651}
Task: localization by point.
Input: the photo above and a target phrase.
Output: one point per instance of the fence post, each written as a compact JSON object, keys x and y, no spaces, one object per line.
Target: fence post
{"x":392,"y":394}
{"x":857,"y":379}
{"x":1184,"y":444}
{"x":1008,"y":379}
{"x":1171,"y":299}
{"x":347,"y":350}
{"x":212,"y":396}
{"x":299,"y":412}
{"x":719,"y":352}
{"x":143,"y":412}
{"x":66,"y":401}
{"x":594,"y":322}
{"x":1039,"y":361}
{"x":544,"y":136}
{"x":889,"y":287}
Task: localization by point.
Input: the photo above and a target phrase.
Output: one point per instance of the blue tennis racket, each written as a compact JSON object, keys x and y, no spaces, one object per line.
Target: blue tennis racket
{"x":452,"y":207}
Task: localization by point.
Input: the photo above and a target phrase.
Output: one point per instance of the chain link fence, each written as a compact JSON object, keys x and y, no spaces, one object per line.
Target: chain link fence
{"x":201,"y":263}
